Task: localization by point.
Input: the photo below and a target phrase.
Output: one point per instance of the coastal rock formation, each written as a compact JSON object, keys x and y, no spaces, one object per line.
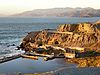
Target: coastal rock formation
{"x":81,"y":28}
{"x":82,"y":35}
{"x":66,"y":35}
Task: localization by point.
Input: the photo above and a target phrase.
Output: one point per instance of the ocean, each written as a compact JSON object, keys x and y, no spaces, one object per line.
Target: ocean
{"x":12,"y":32}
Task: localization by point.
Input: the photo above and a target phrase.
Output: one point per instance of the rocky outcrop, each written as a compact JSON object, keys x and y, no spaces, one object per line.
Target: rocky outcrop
{"x":85,"y":35}
{"x":66,"y":35}
{"x":78,"y":28}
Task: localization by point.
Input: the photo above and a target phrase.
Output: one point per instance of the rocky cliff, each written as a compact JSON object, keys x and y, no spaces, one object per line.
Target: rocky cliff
{"x":66,"y":35}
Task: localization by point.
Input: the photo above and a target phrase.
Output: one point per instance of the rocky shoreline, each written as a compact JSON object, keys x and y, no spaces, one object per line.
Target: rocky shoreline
{"x":82,"y":35}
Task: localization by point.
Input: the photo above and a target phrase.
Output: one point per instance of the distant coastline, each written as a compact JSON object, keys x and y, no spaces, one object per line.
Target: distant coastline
{"x":61,"y":12}
{"x":58,"y":12}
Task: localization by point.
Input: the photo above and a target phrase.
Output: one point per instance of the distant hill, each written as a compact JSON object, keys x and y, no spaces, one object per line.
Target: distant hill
{"x":3,"y":15}
{"x":61,"y":12}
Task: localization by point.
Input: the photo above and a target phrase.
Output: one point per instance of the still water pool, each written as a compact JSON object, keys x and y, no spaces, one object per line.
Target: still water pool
{"x":32,"y":66}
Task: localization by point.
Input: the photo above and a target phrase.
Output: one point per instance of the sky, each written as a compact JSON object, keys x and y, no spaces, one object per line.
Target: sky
{"x":9,"y":7}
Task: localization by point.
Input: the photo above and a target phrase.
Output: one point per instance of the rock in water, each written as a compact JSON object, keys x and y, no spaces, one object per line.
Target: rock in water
{"x":66,"y":35}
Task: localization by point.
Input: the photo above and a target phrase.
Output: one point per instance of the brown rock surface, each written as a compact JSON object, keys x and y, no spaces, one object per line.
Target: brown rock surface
{"x":87,"y":61}
{"x":67,"y":35}
{"x":85,"y":35}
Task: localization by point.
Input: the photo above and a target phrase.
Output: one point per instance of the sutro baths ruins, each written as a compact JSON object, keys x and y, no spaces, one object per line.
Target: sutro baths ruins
{"x":76,"y":41}
{"x":80,"y":42}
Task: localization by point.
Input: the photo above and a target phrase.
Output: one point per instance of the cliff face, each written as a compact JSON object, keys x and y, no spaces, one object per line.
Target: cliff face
{"x":67,"y":35}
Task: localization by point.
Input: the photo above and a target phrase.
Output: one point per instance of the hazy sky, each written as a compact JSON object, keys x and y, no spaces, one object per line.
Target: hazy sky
{"x":17,"y":6}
